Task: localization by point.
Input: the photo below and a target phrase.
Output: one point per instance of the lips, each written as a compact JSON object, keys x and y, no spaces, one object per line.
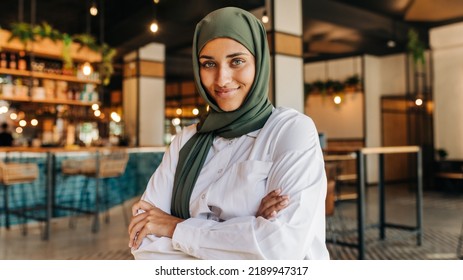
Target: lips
{"x":225,"y":92}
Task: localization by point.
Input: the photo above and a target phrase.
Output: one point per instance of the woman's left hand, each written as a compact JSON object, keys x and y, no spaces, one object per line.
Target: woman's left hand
{"x":271,"y":204}
{"x":152,"y":220}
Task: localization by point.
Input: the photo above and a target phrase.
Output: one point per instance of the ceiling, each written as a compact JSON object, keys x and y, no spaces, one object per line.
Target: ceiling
{"x":332,"y":28}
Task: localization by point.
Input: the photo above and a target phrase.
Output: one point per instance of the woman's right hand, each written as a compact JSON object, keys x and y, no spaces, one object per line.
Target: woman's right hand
{"x":271,"y":204}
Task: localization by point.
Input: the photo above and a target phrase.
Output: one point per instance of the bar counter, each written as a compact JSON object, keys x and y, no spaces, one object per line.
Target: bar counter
{"x":53,"y":189}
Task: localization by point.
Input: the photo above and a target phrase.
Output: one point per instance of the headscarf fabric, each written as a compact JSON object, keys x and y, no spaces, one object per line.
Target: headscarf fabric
{"x":245,"y":28}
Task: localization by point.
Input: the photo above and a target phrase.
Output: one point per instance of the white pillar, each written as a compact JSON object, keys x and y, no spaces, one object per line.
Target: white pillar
{"x":144,"y":95}
{"x":287,"y":56}
{"x":447,"y":51}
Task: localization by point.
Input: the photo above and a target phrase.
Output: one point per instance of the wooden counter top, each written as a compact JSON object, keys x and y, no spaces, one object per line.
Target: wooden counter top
{"x":59,"y":150}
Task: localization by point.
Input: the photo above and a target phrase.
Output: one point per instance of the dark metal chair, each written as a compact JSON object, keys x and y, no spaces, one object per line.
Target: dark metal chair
{"x":103,"y":167}
{"x":13,"y":173}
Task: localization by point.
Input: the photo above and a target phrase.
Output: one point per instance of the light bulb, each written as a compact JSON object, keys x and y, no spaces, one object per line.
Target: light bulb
{"x":156,"y":1}
{"x":22,"y":123}
{"x":93,"y":10}
{"x":154,"y":27}
{"x":179,"y":111}
{"x":419,"y":102}
{"x":337,"y":100}
{"x":34,"y":122}
{"x":195,"y":111}
{"x":265,"y":17}
{"x":391,"y":44}
{"x":97,"y":113}
{"x":13,"y":116}
{"x":87,"y":69}
{"x":19,"y":130}
{"x":95,"y":107}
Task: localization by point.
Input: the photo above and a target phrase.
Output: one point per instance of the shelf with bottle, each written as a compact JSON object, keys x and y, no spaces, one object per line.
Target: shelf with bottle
{"x":27,"y":89}
{"x":25,"y":78}
{"x":21,"y":64}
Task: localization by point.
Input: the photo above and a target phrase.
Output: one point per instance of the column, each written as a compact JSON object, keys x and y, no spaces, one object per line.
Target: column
{"x":144,"y":95}
{"x":447,"y":57}
{"x":285,"y":39}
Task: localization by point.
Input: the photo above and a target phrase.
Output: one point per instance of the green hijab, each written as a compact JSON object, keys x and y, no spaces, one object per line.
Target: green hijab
{"x":246,"y":29}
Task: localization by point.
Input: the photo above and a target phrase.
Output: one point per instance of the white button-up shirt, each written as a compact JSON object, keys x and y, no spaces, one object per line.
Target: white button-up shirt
{"x":237,"y":174}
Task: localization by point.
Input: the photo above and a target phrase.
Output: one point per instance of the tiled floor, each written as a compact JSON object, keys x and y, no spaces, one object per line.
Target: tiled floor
{"x":442,"y":220}
{"x":111,"y":242}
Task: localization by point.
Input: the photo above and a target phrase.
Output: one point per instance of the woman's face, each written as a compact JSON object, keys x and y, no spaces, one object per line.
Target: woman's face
{"x":227,"y":71}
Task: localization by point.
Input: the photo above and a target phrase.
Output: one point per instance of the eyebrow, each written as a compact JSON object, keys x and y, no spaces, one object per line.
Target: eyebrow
{"x":228,"y":56}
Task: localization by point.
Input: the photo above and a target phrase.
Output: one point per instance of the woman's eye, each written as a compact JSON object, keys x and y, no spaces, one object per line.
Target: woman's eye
{"x":236,"y":62}
{"x":207,"y":64}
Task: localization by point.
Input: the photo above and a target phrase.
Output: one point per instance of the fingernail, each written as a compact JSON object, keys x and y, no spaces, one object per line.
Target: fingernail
{"x":284,"y":202}
{"x":277,"y":191}
{"x":273,"y":214}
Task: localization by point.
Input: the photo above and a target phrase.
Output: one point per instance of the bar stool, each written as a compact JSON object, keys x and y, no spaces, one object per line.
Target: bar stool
{"x":11,"y":174}
{"x":335,"y":223}
{"x":104,"y":167}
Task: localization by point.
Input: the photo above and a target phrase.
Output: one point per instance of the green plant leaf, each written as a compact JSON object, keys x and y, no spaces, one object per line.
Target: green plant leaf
{"x":67,"y":58}
{"x":416,"y":47}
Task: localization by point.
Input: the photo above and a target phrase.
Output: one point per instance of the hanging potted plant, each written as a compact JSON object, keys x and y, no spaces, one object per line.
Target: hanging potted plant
{"x":416,"y":48}
{"x":106,"y":67}
{"x":353,"y":83}
{"x":23,"y":32}
{"x":319,"y":86}
{"x":26,"y":33}
{"x":329,"y":86}
{"x":107,"y":55}
{"x":337,"y":87}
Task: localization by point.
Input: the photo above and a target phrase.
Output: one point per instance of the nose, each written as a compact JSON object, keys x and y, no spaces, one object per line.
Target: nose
{"x":223,"y":76}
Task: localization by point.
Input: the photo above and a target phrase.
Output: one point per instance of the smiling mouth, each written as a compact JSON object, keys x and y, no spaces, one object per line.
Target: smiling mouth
{"x":225,"y":92}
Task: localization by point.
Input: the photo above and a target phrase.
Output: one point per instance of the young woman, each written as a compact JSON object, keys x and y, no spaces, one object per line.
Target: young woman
{"x":248,"y":181}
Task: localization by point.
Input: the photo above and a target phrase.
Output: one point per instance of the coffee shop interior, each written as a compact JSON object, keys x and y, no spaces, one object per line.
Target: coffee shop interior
{"x":92,"y":91}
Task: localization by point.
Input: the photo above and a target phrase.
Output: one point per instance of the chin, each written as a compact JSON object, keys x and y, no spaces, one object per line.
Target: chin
{"x":228,"y":108}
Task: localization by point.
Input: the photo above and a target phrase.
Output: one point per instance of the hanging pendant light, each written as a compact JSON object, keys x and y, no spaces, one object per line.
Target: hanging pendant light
{"x":94,"y":9}
{"x":418,"y":101}
{"x":154,"y":27}
{"x":265,"y":18}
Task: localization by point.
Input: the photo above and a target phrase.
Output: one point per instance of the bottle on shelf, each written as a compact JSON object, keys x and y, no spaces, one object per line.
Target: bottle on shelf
{"x":13,"y":64}
{"x":3,"y":60}
{"x":22,"y":64}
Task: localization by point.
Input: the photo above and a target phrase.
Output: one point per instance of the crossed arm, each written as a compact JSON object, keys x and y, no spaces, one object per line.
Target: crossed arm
{"x":154,"y":221}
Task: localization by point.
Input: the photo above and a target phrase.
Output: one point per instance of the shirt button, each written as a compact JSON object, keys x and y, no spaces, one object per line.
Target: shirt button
{"x":177,"y":246}
{"x":220,"y":170}
{"x":203,"y":196}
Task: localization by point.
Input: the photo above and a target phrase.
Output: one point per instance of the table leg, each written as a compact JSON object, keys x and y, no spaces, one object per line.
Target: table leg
{"x":382,"y":195}
{"x":361,"y":204}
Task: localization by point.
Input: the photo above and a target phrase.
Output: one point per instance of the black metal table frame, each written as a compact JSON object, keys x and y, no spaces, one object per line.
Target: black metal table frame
{"x":361,"y":207}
